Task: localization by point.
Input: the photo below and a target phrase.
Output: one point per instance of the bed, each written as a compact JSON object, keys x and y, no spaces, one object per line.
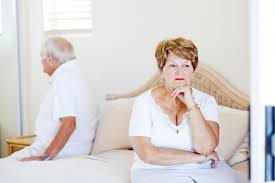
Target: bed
{"x":111,"y":156}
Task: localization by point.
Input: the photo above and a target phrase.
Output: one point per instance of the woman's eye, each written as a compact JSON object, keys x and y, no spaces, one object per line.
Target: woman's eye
{"x":187,"y":65}
{"x":172,"y":65}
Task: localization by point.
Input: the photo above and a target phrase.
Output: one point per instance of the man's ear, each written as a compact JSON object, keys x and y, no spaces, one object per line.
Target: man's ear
{"x":50,"y":59}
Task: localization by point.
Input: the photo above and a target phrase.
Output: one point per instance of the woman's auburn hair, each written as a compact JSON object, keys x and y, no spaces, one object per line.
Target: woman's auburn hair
{"x":180,"y":47}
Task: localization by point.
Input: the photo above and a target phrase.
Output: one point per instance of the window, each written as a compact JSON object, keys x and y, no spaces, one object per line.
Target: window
{"x":0,"y":17}
{"x":67,"y":16}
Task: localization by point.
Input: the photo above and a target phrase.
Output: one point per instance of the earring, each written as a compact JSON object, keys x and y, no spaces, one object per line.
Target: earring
{"x":162,"y":80}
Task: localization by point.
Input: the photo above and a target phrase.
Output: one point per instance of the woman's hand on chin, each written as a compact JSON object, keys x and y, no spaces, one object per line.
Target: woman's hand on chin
{"x":184,"y":93}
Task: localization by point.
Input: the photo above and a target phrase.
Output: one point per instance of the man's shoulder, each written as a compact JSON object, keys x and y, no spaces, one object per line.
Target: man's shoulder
{"x":74,"y":77}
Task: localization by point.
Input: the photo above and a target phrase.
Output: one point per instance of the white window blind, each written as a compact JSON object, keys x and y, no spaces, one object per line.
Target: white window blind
{"x":67,"y":15}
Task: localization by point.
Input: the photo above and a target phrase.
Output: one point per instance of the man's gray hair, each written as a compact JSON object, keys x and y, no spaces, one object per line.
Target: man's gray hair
{"x":59,"y":48}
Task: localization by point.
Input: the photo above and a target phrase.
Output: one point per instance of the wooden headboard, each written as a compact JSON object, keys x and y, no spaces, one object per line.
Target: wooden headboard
{"x":206,"y":80}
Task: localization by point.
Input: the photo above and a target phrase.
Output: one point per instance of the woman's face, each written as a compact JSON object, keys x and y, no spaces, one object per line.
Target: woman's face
{"x":177,"y":71}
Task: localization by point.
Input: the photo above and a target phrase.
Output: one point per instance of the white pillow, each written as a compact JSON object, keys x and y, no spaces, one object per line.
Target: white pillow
{"x":241,"y":154}
{"x":233,"y":130}
{"x":113,"y":126}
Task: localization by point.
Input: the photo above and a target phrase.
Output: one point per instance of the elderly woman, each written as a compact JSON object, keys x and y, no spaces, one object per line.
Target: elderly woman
{"x":174,"y":128}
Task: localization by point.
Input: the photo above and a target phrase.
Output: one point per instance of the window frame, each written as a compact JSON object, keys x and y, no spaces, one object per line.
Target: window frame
{"x":55,"y":31}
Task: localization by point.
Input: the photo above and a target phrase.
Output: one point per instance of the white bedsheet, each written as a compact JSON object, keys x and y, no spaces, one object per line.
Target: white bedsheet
{"x":109,"y":167}
{"x":113,"y":166}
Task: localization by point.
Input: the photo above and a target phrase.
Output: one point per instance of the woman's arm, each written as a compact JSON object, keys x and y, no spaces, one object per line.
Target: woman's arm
{"x":162,"y":156}
{"x":205,"y":134}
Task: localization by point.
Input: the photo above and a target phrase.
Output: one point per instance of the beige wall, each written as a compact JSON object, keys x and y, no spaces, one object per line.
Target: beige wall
{"x":119,"y":55}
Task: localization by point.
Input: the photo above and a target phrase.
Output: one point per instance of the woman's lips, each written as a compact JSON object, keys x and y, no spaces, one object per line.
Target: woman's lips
{"x":179,"y":79}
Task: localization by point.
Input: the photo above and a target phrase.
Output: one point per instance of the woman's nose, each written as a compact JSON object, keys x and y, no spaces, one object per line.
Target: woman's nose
{"x":179,"y":71}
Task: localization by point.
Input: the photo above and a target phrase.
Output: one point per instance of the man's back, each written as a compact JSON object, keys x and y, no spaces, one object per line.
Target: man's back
{"x":69,"y":95}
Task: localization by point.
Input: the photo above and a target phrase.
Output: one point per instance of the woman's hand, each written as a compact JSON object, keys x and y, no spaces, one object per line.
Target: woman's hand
{"x":214,"y":157}
{"x":184,"y":93}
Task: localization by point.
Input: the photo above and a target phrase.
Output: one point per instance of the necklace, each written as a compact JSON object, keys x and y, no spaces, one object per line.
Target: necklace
{"x":177,"y":128}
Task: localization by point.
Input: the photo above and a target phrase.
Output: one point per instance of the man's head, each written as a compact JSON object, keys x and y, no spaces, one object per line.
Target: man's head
{"x":54,"y":52}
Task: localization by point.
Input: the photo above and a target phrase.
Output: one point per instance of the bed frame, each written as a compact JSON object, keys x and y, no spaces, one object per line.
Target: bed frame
{"x":206,"y":80}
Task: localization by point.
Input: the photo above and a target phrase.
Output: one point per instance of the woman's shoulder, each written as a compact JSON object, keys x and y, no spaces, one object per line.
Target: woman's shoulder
{"x":144,"y":97}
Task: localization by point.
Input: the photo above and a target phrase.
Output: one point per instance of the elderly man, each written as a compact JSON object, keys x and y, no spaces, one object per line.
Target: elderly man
{"x":65,"y":125}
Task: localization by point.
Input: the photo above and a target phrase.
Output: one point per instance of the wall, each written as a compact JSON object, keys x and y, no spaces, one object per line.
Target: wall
{"x":119,"y":55}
